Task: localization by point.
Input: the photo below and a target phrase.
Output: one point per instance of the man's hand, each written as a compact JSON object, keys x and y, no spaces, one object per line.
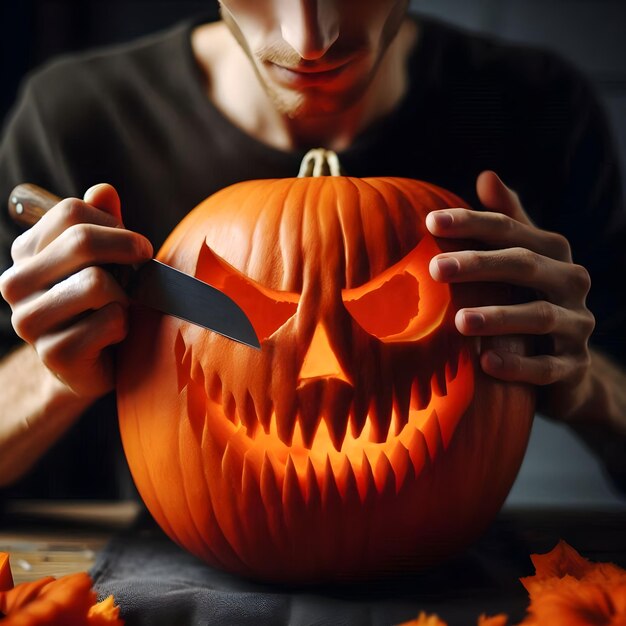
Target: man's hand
{"x":517,"y":252}
{"x":64,"y":303}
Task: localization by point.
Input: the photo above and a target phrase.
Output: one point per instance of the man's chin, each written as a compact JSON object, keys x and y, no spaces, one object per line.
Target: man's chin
{"x":300,"y":106}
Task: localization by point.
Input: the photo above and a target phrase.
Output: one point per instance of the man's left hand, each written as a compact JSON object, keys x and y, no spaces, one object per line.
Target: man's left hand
{"x":519,"y":253}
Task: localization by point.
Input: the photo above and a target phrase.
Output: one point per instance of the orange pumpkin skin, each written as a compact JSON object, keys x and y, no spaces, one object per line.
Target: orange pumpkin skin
{"x":66,"y":601}
{"x":363,"y":438}
{"x":6,"y":579}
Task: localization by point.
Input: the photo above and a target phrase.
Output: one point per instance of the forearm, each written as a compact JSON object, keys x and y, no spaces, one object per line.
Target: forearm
{"x":605,"y":399}
{"x":601,"y":420}
{"x":35,"y":410}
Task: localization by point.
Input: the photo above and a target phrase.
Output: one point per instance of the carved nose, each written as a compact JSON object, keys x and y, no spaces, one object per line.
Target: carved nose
{"x":320,"y":360}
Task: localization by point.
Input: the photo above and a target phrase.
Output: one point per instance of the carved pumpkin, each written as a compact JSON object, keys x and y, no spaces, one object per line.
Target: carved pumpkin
{"x":363,"y":437}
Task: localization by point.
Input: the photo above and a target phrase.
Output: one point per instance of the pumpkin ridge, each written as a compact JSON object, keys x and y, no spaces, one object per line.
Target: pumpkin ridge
{"x":214,"y":390}
{"x":233,"y":467}
{"x":402,"y":214}
{"x":223,"y":557}
{"x":253,"y":203}
{"x":154,"y":503}
{"x":257,"y":253}
{"x":291,"y":240}
{"x":286,"y":238}
{"x":381,"y":242}
{"x":182,"y":440}
{"x":443,"y":198}
{"x":346,"y":190}
{"x":391,"y":199}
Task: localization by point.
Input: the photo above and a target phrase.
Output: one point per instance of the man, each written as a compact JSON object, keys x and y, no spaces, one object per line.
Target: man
{"x":173,"y":118}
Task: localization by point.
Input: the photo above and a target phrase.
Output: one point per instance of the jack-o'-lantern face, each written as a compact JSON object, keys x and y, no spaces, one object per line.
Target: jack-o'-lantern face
{"x":338,"y":433}
{"x":343,"y":369}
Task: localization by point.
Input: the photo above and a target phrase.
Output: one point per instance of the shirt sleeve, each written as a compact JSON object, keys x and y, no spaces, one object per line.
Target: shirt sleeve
{"x":29,"y":152}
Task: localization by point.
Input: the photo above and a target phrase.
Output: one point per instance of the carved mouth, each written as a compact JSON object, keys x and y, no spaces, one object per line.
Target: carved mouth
{"x":413,"y":430}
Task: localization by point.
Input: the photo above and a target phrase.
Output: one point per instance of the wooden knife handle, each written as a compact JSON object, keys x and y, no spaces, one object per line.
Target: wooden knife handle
{"x":28,"y":203}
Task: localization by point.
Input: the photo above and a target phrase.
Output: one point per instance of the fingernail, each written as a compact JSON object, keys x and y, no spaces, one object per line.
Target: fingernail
{"x":474,"y":321}
{"x":144,"y":248}
{"x":442,"y":220}
{"x":87,"y":195}
{"x":447,"y":267}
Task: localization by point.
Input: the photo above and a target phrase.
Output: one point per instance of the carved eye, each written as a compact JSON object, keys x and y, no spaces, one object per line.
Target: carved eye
{"x":403,"y":303}
{"x":267,"y":309}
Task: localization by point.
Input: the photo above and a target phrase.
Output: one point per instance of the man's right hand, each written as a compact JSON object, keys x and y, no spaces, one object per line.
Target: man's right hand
{"x":64,"y":303}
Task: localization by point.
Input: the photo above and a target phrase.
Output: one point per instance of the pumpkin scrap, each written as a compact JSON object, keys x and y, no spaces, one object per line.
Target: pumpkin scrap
{"x":569,"y":590}
{"x":495,"y":620}
{"x":566,"y":590}
{"x":434,"y":620}
{"x":6,"y":580}
{"x":66,"y":601}
{"x":425,"y":620}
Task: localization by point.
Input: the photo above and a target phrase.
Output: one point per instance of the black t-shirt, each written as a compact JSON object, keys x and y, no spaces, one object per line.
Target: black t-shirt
{"x":137,"y":116}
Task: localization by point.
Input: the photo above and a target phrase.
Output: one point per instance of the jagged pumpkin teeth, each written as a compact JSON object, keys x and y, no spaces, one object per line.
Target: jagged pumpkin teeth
{"x":247,"y":414}
{"x":226,"y":458}
{"x":230,"y":409}
{"x":285,"y":426}
{"x":331,"y":498}
{"x":399,"y":419}
{"x":264,"y":410}
{"x":358,"y":416}
{"x":353,"y":430}
{"x":415,"y":443}
{"x":292,"y":488}
{"x":450,"y":371}
{"x":438,"y":383}
{"x":270,"y":493}
{"x":346,"y":479}
{"x":384,"y":475}
{"x":401,"y":462}
{"x":313,"y":495}
{"x":420,"y":393}
{"x":215,"y":389}
{"x":365,"y":479}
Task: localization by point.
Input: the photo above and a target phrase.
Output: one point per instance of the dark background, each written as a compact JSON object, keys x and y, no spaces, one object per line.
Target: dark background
{"x":591,"y":33}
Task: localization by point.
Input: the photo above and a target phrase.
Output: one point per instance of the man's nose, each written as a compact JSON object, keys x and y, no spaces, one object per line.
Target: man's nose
{"x":310,"y":27}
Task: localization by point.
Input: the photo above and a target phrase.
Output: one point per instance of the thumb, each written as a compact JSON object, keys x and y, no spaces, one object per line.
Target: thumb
{"x":104,"y":197}
{"x":496,"y":196}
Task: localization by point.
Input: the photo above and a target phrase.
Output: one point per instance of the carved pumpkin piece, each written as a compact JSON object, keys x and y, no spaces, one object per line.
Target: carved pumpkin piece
{"x":333,"y":451}
{"x":65,"y":601}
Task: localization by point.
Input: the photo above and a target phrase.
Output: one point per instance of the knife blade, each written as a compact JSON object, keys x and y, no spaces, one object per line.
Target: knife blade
{"x":155,"y":284}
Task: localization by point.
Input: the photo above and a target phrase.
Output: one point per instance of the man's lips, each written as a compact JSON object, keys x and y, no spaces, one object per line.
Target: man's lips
{"x":308,"y":74}
{"x":316,"y":68}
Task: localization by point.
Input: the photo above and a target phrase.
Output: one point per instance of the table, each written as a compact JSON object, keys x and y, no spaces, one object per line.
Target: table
{"x":59,"y":538}
{"x":54,"y":538}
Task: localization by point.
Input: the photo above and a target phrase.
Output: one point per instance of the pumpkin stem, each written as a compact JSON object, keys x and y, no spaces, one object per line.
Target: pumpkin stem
{"x":320,"y":162}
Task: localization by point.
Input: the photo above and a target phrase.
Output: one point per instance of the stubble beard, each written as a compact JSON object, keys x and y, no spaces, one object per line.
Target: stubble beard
{"x":289,"y":102}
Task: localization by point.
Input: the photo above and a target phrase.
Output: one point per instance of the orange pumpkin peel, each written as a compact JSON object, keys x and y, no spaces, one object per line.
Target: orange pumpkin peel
{"x":6,"y":579}
{"x":68,"y":600}
{"x":566,"y":590}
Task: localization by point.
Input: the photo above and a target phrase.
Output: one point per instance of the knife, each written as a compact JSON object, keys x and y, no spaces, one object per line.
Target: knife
{"x":155,"y":284}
